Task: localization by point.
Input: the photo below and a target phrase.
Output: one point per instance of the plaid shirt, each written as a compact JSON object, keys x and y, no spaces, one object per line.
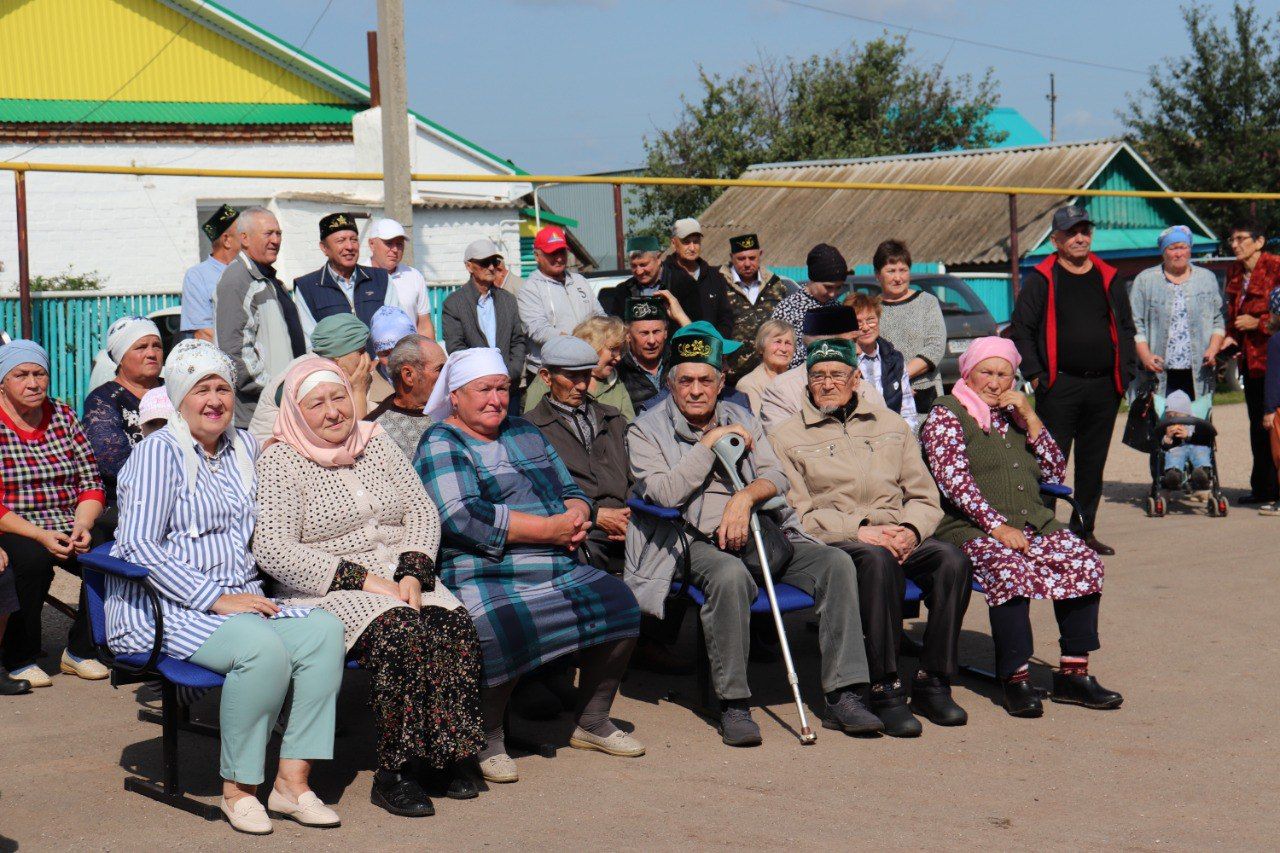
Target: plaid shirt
{"x":47,"y":472}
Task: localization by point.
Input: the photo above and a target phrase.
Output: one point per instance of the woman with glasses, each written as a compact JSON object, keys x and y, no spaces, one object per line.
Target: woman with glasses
{"x":879,"y":361}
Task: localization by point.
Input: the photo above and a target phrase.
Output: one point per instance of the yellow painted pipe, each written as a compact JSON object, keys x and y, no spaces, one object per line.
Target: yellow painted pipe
{"x":166,"y":171}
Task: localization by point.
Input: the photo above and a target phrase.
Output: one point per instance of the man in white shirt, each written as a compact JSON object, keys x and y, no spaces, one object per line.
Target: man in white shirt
{"x":386,"y":250}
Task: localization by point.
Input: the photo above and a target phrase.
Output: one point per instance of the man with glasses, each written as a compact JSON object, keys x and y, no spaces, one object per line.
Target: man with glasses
{"x":1074,"y":331}
{"x":1250,"y":280}
{"x":880,"y":363}
{"x":481,"y":314}
{"x":858,"y":482}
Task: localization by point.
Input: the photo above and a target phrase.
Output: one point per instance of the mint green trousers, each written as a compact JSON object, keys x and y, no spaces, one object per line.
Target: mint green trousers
{"x":261,"y":658}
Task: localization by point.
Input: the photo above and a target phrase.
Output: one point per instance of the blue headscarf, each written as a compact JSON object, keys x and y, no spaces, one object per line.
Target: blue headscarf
{"x":1176,"y":234}
{"x":21,"y":351}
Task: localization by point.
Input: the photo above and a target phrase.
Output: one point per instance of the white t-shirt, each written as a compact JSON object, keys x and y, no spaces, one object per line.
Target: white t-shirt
{"x":411,"y":291}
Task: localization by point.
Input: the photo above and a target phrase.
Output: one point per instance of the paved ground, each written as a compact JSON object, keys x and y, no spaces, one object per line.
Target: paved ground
{"x":1189,"y":762}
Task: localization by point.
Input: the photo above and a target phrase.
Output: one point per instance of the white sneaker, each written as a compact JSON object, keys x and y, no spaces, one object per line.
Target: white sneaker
{"x":247,"y":815}
{"x":499,"y":768}
{"x":86,"y":668}
{"x":34,"y":674}
{"x":309,"y":810}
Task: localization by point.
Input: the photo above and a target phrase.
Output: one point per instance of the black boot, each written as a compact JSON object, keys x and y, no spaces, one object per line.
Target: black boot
{"x":931,"y":699}
{"x":1020,"y":699}
{"x":1083,"y":690}
{"x":10,"y":686}
{"x":400,"y":794}
{"x":889,"y":703}
{"x":450,"y":782}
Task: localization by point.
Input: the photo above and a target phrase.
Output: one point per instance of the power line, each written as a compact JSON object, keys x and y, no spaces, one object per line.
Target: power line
{"x":989,"y":45}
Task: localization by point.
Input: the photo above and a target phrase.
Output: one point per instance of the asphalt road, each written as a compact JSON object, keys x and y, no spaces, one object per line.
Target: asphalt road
{"x":1188,"y":762}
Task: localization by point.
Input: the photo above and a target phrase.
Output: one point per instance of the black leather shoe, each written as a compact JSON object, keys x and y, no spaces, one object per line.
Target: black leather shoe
{"x":1021,"y":700}
{"x":931,"y":699}
{"x":1083,"y":690}
{"x":449,"y":782}
{"x":400,"y":794}
{"x":889,"y":703}
{"x":1099,"y":547}
{"x":10,"y":686}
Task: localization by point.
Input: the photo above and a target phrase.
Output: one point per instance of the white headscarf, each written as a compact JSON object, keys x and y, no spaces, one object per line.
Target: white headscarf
{"x":122,"y":334}
{"x":191,"y":362}
{"x":462,"y":367}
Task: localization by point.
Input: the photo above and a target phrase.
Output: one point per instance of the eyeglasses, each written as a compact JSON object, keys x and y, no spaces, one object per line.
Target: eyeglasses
{"x":868,"y":323}
{"x":821,"y":379}
{"x":1241,"y":238}
{"x":488,"y":263}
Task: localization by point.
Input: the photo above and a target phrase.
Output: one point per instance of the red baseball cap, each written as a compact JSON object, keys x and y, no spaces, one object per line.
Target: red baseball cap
{"x":550,"y":239}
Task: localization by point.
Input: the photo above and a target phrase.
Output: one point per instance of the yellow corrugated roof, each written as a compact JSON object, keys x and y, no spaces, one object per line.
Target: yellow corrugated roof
{"x":85,"y":50}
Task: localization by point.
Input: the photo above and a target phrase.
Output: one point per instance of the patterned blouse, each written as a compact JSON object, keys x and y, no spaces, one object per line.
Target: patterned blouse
{"x":195,"y":542}
{"x":791,"y":310}
{"x":47,"y":471}
{"x":112,"y":426}
{"x":1177,"y":354}
{"x":943,"y":440}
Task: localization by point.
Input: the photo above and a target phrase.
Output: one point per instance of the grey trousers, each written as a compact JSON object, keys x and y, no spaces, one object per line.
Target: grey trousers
{"x":821,"y":571}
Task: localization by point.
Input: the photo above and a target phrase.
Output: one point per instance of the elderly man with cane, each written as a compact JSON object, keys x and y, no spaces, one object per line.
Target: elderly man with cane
{"x":674,"y":465}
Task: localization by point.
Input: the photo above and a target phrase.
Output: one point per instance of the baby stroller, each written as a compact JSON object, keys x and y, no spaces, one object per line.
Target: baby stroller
{"x":1206,"y":435}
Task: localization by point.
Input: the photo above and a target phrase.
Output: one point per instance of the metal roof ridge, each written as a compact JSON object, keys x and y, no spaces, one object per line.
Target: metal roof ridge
{"x":936,"y":155}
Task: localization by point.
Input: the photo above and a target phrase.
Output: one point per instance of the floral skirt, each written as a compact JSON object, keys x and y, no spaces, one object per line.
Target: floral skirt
{"x":1056,"y":566}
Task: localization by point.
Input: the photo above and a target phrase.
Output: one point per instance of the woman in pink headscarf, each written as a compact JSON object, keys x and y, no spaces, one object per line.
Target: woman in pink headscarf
{"x":989,"y":452}
{"x":345,"y":524}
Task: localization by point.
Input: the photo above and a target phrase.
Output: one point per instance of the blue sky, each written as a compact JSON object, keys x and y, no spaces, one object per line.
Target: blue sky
{"x":572,"y":86}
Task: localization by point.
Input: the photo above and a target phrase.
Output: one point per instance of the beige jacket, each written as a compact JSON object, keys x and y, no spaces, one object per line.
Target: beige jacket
{"x":867,"y":470}
{"x":784,"y":397}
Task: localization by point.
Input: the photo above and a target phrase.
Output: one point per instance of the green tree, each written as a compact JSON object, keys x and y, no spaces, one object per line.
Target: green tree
{"x":1210,"y":120}
{"x":865,"y":101}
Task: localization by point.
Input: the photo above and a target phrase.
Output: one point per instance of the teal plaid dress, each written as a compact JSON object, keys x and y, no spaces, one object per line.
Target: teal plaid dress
{"x":530,"y":603}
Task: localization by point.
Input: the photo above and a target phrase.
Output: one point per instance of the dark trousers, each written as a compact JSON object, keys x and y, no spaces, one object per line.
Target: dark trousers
{"x":1180,"y":380}
{"x":32,"y":568}
{"x":1011,"y":630}
{"x":942,"y":572}
{"x":604,"y":553}
{"x":1262,"y":479}
{"x":1081,"y":413}
{"x":924,"y":400}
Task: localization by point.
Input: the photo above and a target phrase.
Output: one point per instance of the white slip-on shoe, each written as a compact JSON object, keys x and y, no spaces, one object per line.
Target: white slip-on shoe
{"x":86,"y":668}
{"x":33,"y":674}
{"x":499,"y":768}
{"x":619,"y":743}
{"x":309,"y":810}
{"x":247,"y":815}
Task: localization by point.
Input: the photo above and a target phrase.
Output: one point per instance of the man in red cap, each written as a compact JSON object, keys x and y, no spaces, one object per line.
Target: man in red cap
{"x":553,"y":300}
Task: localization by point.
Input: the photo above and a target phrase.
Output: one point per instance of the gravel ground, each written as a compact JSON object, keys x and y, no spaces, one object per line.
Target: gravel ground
{"x":1182,"y":633}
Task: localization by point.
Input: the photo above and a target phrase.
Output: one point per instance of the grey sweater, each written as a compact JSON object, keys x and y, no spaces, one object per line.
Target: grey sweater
{"x":917,"y":329}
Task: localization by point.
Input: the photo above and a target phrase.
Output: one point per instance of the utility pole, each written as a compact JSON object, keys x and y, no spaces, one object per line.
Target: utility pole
{"x":1052,"y":98}
{"x":393,"y":94}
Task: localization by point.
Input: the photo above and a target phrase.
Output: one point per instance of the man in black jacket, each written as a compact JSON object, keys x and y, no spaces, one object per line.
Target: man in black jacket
{"x":481,"y":314}
{"x":1073,"y":326}
{"x":644,"y":253}
{"x":696,"y":285}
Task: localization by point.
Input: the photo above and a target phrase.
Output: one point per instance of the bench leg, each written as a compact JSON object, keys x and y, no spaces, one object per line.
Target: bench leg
{"x":524,"y":744}
{"x":184,"y":722}
{"x":169,"y":792}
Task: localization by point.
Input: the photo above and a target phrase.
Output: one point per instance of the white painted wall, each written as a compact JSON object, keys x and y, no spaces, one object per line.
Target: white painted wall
{"x":141,"y":232}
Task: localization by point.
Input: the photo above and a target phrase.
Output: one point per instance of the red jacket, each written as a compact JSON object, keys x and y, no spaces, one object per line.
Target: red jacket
{"x":1265,"y":276}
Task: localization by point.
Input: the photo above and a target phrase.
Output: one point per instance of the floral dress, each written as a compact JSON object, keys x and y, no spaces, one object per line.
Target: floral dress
{"x":1058,"y":565}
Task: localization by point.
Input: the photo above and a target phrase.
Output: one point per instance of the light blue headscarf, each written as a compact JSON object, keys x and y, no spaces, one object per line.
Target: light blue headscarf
{"x":1174,"y":235}
{"x":21,"y":351}
{"x":388,"y":326}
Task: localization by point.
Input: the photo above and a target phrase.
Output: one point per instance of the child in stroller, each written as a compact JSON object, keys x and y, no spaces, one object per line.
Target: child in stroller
{"x":1184,"y":457}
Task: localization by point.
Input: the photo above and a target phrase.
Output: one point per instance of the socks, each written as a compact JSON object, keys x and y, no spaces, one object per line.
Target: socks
{"x":1074,"y":665}
{"x":1023,"y":673}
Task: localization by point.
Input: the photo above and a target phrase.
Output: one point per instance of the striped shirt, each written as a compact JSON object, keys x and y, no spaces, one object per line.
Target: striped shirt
{"x":194,"y":542}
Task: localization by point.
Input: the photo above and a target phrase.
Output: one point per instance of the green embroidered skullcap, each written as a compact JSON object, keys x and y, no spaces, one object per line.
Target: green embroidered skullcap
{"x":835,"y":349}
{"x":338,"y":335}
{"x":645,"y":308}
{"x":643,"y":243}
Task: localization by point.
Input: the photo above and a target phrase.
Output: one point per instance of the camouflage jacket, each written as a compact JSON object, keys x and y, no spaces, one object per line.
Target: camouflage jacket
{"x":747,"y":318}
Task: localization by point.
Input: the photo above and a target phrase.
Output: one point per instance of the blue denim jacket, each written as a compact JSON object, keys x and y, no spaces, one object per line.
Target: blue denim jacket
{"x":1152,"y":303}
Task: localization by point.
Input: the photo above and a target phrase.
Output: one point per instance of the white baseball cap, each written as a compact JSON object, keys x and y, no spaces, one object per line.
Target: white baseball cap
{"x":685,"y":228}
{"x":385,"y":229}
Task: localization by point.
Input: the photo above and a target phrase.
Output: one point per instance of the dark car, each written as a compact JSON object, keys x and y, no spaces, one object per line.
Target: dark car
{"x":965,"y":315}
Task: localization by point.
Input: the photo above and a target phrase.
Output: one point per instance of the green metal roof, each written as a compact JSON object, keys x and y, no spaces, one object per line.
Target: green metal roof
{"x":553,"y":218}
{"x":173,"y":112}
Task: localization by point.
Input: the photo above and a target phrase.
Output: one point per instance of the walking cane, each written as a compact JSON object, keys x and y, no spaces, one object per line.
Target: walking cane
{"x":729,"y":451}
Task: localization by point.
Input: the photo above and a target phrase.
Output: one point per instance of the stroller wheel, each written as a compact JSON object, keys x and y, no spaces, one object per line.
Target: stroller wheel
{"x":1160,"y":507}
{"x":1213,"y":507}
{"x":1155,"y":507}
{"x":1221,"y":503}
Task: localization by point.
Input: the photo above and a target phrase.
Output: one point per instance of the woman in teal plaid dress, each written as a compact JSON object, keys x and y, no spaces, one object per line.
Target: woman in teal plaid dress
{"x":512,"y":520}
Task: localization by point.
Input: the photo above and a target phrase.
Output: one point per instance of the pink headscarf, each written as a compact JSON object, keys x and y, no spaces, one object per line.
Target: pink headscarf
{"x":292,"y":429}
{"x":980,"y":350}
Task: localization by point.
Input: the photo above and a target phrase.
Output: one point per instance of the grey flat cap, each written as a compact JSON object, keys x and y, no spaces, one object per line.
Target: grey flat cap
{"x":478,"y":250}
{"x":569,"y":353}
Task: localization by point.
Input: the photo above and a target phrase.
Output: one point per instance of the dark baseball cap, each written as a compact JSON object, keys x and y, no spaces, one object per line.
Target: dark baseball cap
{"x":1066,"y":218}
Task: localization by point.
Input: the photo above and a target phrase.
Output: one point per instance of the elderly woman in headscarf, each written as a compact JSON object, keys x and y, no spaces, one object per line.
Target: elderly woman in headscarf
{"x":187,"y":514}
{"x":52,"y":496}
{"x":342,"y":338}
{"x":1177,"y":311}
{"x":111,"y":410}
{"x":344,"y":524}
{"x":513,"y":521}
{"x":989,"y":452}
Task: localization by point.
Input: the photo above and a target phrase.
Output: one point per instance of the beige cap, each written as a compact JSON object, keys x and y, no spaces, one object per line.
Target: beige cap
{"x":478,"y":250}
{"x":685,"y":228}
